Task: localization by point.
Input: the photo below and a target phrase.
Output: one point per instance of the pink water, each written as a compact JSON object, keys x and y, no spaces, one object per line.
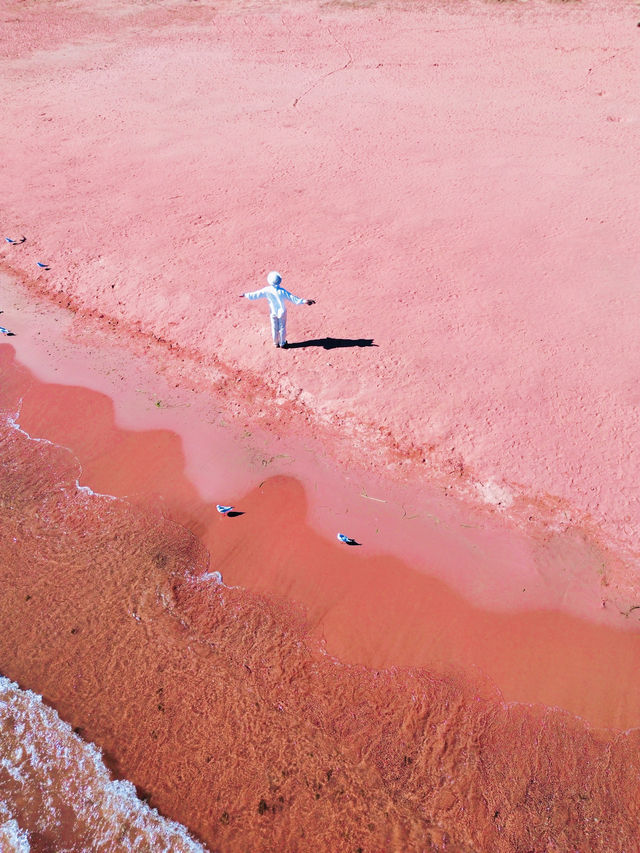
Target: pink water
{"x":221,"y":704}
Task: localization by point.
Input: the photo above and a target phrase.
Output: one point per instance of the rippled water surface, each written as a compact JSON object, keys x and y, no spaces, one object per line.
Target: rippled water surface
{"x":222,"y":708}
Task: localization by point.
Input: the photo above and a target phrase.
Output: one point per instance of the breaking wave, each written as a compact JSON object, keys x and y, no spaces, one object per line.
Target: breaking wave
{"x":57,"y":785}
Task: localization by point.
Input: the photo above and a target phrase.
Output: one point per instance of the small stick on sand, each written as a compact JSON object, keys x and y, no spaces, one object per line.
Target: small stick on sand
{"x":363,"y":494}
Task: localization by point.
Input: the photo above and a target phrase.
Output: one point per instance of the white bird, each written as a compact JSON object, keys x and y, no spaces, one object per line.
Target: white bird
{"x":223,"y":510}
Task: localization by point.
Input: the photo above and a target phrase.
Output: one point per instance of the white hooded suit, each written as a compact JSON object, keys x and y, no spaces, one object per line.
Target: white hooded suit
{"x":277,"y":297}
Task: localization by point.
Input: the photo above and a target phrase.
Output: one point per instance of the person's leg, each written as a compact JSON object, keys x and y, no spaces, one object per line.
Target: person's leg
{"x":283,"y":329}
{"x":275,"y":330}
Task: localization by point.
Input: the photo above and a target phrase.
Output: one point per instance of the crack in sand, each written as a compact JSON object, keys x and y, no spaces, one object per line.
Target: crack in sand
{"x":329,"y":73}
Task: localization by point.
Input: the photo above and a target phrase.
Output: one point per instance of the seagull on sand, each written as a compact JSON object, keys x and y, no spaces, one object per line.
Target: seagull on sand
{"x":223,"y":510}
{"x":347,"y":539}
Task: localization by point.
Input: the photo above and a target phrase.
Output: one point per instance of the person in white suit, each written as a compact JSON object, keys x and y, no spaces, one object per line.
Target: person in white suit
{"x":277,"y":297}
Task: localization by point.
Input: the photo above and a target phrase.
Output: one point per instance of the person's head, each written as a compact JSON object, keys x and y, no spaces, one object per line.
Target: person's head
{"x":274,"y":279}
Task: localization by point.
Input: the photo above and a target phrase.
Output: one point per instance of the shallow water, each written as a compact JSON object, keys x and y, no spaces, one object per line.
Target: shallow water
{"x":372,"y":609}
{"x":56,"y":793}
{"x":220,"y":703}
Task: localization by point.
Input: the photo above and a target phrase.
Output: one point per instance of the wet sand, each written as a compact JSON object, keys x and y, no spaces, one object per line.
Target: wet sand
{"x":369,"y":609}
{"x":222,"y":707}
{"x":221,"y":703}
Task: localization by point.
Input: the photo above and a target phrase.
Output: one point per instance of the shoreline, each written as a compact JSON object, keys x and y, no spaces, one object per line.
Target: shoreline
{"x":388,"y":509}
{"x":374,"y":606}
{"x":189,"y":685}
{"x":525,"y":515}
{"x":76,"y":781}
{"x":449,"y":182}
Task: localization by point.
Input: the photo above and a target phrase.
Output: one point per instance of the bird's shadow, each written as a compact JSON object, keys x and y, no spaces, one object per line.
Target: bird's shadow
{"x":234,"y":513}
{"x":333,"y":343}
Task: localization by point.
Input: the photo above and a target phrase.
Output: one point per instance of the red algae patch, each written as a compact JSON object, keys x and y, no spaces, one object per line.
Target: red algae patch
{"x":219,"y":705}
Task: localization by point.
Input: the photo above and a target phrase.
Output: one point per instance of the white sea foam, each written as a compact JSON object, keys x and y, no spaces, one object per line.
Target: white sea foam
{"x":216,"y":577}
{"x":12,"y":421}
{"x":212,"y":577}
{"x":12,"y":838}
{"x":87,"y":490}
{"x":51,"y":765}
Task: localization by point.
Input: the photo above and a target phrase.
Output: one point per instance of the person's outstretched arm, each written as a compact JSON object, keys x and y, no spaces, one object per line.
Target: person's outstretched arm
{"x":297,"y":300}
{"x":254,"y":294}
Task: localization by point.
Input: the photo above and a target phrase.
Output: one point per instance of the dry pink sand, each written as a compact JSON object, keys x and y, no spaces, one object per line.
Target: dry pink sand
{"x":456,"y":181}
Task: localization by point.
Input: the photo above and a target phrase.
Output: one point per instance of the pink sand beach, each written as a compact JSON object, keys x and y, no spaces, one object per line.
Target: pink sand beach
{"x":455,"y":185}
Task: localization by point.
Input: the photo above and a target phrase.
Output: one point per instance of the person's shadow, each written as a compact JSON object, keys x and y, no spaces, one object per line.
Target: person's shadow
{"x":333,"y":343}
